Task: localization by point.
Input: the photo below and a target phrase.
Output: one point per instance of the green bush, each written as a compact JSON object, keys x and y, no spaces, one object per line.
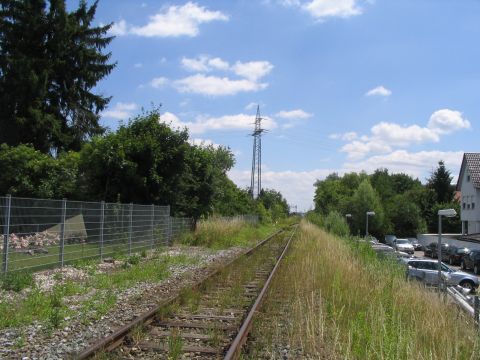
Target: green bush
{"x":134,"y":260}
{"x":336,"y":224}
{"x":17,"y":281}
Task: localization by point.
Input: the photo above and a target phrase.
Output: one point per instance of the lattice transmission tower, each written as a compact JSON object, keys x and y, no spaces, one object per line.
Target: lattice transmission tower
{"x":256,"y":178}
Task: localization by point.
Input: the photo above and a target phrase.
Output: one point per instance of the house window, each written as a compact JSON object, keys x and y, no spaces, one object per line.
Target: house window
{"x":473,"y":205}
{"x":463,"y":205}
{"x":468,"y":206}
{"x":468,"y":178}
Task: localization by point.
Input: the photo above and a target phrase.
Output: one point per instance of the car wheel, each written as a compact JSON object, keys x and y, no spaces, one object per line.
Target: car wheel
{"x":467,"y":284}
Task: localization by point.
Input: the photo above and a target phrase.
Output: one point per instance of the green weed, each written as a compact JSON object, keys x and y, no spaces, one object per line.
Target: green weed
{"x":17,"y":281}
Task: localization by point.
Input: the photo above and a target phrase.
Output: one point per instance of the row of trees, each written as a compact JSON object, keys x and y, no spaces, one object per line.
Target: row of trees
{"x":402,"y":204}
{"x":52,"y":142}
{"x":143,"y":162}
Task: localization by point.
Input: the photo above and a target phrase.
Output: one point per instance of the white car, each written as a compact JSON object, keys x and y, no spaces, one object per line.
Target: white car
{"x":403,"y":245}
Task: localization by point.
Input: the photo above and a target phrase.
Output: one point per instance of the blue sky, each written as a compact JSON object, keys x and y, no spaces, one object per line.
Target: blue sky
{"x":344,"y":85}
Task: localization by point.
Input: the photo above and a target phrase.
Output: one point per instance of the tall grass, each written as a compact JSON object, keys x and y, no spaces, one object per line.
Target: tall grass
{"x":342,"y":302}
{"x":221,"y":233}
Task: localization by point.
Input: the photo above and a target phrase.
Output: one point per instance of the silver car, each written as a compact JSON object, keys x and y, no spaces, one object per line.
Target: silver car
{"x":427,"y":271}
{"x":403,"y":245}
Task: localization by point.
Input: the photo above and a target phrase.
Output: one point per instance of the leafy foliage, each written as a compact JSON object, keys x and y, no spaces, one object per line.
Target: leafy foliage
{"x":440,"y":182}
{"x":28,"y":172}
{"x":402,"y":205}
{"x":50,"y":61}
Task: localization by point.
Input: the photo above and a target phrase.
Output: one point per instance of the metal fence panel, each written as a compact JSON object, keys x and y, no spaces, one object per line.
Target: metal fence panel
{"x":43,"y":233}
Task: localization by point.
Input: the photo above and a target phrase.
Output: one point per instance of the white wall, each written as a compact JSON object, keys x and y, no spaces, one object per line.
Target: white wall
{"x":469,"y":195}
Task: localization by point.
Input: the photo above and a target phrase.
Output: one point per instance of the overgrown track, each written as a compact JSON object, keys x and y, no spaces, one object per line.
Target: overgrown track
{"x":210,"y":320}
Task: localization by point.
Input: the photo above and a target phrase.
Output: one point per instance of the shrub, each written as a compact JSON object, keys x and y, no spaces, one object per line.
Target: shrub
{"x":17,"y":281}
{"x":336,"y":224}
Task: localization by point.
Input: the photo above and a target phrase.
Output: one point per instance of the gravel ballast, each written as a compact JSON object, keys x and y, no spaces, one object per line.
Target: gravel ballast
{"x":77,"y":331}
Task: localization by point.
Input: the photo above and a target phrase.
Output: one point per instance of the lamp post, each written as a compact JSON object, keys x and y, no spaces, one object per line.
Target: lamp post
{"x":446,"y":213}
{"x":349,"y":218}
{"x":369,"y":213}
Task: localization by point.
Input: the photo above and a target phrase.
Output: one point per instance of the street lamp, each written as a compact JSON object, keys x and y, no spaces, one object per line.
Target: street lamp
{"x":446,"y":213}
{"x":369,"y":213}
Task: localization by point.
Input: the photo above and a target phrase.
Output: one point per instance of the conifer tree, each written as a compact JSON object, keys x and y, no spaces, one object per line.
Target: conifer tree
{"x":50,"y":61}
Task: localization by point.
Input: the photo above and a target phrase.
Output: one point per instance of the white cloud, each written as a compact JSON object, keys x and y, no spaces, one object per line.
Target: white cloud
{"x":204,"y":63}
{"x":385,"y":136}
{"x":348,"y":136}
{"x":172,"y":21}
{"x":294,"y":114}
{"x":252,"y":70}
{"x":121,"y":111}
{"x":250,"y":74}
{"x":357,"y":150}
{"x":216,"y":86}
{"x":159,"y":82}
{"x":417,"y":164}
{"x":446,"y":121}
{"x":201,"y":124}
{"x":379,"y":91}
{"x":321,"y":9}
{"x":398,"y":135}
{"x":119,"y":28}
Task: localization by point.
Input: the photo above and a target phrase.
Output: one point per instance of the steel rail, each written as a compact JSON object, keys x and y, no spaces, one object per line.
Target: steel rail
{"x":115,"y":339}
{"x":237,"y":344}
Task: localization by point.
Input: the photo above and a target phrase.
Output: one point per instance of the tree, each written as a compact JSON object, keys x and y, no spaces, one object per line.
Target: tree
{"x":147,"y":162}
{"x":366,"y":199}
{"x":274,"y":203}
{"x":50,"y":60}
{"x":27,"y":172}
{"x":440,"y":182}
{"x":405,"y":217}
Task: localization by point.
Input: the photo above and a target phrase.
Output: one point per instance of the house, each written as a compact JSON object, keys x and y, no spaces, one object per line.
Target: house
{"x":469,"y":185}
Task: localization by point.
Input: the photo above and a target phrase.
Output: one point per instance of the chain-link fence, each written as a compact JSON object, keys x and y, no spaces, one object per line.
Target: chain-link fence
{"x":41,"y":233}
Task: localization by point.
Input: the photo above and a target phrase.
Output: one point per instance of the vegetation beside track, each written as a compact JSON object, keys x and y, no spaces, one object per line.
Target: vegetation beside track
{"x":219,"y":233}
{"x":50,"y":306}
{"x":341,"y":301}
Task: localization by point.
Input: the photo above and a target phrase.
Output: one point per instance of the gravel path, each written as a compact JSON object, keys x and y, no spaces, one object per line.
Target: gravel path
{"x":38,"y":341}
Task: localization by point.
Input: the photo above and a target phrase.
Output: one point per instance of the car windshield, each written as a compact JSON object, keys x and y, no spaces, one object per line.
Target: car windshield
{"x":446,"y":268}
{"x":463,"y":251}
{"x":401,"y":241}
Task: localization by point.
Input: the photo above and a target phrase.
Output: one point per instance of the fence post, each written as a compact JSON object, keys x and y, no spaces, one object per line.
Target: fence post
{"x":102,"y":220}
{"x":476,"y":305}
{"x":152,"y":224}
{"x":130,"y":231}
{"x":62,"y":232}
{"x":6,"y":233}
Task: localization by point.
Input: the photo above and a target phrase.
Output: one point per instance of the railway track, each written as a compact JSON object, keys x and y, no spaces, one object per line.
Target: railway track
{"x":210,"y":320}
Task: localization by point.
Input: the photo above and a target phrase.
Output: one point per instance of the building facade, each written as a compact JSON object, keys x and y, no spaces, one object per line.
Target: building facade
{"x":469,"y":186}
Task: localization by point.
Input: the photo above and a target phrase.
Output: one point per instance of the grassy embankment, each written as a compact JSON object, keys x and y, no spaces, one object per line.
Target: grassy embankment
{"x":223,"y":234}
{"x":342,"y":302}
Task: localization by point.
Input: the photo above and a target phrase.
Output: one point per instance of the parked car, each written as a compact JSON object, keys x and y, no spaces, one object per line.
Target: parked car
{"x":403,"y":245}
{"x":389,"y":239}
{"x":471,"y":261}
{"x":431,"y":250}
{"x":426,"y":271}
{"x":454,"y":254}
{"x":416,"y":245}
